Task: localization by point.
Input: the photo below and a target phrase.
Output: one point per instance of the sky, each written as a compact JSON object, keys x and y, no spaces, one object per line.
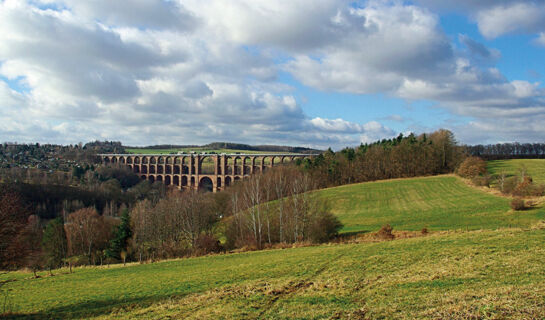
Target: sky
{"x":327,"y":73}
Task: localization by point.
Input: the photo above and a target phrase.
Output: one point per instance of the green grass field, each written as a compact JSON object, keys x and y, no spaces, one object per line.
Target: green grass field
{"x":151,"y":151}
{"x":479,"y":275}
{"x":436,"y":203}
{"x":535,"y":167}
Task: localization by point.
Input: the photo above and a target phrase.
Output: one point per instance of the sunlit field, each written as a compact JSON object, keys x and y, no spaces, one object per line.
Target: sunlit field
{"x":477,"y":274}
{"x":436,"y":203}
{"x":534,"y":167}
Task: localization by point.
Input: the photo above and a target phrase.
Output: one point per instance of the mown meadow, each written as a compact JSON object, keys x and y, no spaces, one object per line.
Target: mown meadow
{"x":435,"y":203}
{"x":534,"y":168}
{"x":477,"y":274}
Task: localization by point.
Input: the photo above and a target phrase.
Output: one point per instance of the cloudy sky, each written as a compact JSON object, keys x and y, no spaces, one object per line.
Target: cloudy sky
{"x":313,"y":73}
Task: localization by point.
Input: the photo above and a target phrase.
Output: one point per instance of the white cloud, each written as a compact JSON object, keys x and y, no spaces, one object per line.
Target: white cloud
{"x":11,"y":99}
{"x":395,"y":117}
{"x":517,"y":17}
{"x":93,"y":73}
{"x":383,"y":45}
{"x":479,"y":52}
{"x":378,"y":58}
{"x":285,"y":24}
{"x":368,"y":132}
{"x":153,"y":14}
{"x":541,"y":39}
{"x":509,"y":129}
{"x":336,"y":125}
{"x":496,"y":18}
{"x":196,"y":71}
{"x":463,"y":6}
{"x":112,"y":79}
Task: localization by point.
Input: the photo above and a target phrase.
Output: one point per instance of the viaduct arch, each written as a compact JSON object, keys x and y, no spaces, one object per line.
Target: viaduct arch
{"x":213,"y":172}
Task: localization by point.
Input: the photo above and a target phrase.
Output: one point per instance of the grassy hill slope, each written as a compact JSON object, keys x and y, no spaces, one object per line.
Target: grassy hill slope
{"x":437,"y":203}
{"x":478,"y":274}
{"x":535,"y":167}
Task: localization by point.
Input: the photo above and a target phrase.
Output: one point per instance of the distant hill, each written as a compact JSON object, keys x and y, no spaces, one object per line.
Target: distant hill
{"x":166,"y":146}
{"x":273,"y":148}
{"x":223,"y":146}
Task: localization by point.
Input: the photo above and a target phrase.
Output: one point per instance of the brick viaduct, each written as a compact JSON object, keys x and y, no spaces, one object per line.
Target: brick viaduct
{"x":186,"y":171}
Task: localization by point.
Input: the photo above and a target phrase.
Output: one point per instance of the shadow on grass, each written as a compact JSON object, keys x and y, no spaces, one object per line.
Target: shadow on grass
{"x":89,"y":309}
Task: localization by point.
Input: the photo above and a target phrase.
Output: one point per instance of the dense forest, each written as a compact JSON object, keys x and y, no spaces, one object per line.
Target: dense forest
{"x":401,"y":157}
{"x":106,"y":188}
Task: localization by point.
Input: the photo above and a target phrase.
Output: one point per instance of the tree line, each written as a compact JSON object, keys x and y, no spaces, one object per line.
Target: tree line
{"x":508,"y":151}
{"x":400,"y":157}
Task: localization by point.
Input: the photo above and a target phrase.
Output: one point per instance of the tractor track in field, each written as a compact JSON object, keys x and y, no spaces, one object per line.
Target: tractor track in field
{"x":294,"y":286}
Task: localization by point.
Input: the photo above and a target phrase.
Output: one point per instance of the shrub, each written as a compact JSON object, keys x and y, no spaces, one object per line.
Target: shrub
{"x":518,"y":204}
{"x":530,"y":203}
{"x":109,"y":261}
{"x":472,"y":167}
{"x":509,"y":185}
{"x":325,"y":226}
{"x":481,"y":181}
{"x":75,"y":261}
{"x":539,"y":190}
{"x":527,"y":188}
{"x":207,"y":243}
{"x":386,"y":232}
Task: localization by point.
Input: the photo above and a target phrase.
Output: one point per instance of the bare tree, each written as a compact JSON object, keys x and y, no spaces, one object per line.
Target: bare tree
{"x":522,"y":171}
{"x":13,"y":221}
{"x":300,"y":187}
{"x":193,"y":213}
{"x":279,"y":184}
{"x":501,"y":180}
{"x":172,"y":227}
{"x":33,"y":238}
{"x":87,"y":232}
{"x":141,"y":227}
{"x":253,"y":196}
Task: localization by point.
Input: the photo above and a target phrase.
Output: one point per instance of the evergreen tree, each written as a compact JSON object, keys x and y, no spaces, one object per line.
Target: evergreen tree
{"x":54,"y":243}
{"x":122,"y":235}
